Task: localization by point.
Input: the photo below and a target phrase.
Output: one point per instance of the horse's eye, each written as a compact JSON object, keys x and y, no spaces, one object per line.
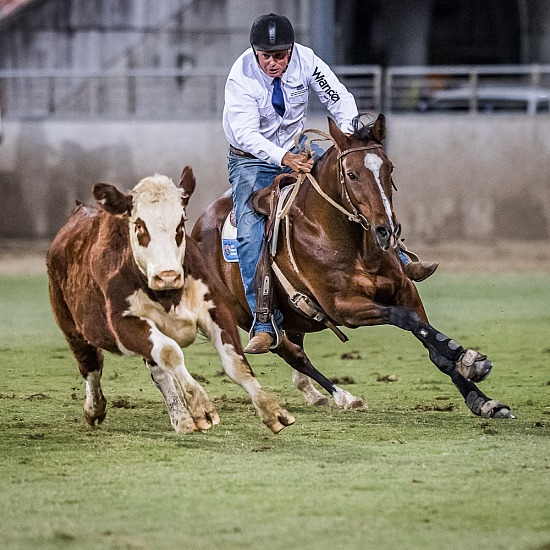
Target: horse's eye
{"x":352,"y":176}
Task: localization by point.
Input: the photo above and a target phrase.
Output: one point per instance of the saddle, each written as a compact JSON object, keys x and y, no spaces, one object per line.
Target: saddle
{"x":270,"y":202}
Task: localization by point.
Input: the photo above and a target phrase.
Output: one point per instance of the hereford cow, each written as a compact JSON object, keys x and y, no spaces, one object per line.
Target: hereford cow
{"x":125,"y":278}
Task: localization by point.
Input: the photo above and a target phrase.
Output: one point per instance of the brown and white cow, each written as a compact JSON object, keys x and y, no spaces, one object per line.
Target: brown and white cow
{"x":125,"y":278}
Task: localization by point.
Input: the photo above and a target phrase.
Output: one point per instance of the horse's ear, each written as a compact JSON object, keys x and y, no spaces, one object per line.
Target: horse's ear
{"x":187,"y":183}
{"x":378,"y":131}
{"x":337,"y":135}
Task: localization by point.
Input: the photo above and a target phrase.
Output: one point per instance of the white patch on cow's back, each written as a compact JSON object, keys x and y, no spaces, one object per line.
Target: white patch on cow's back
{"x":374,"y":163}
{"x":180,"y":323}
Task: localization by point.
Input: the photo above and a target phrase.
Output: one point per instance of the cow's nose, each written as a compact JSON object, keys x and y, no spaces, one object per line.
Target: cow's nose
{"x":168,"y":279}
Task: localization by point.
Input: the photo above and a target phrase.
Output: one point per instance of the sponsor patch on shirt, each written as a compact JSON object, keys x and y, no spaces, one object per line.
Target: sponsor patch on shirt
{"x":321,"y":81}
{"x":300,"y":90}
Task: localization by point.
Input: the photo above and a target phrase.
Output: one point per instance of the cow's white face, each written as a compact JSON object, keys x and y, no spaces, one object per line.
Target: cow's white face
{"x":155,"y":209}
{"x":157,"y":231}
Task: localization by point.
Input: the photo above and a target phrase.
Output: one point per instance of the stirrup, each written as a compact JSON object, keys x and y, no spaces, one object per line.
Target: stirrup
{"x":279,"y":332}
{"x":411,"y":255}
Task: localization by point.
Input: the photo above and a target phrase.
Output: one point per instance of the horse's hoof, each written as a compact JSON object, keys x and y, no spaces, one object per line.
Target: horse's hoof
{"x":474,"y":366}
{"x":345,"y":400}
{"x":494,"y":409}
{"x":505,"y":412}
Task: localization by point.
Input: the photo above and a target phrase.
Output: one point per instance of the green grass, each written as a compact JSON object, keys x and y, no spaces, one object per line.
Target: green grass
{"x":416,"y":470}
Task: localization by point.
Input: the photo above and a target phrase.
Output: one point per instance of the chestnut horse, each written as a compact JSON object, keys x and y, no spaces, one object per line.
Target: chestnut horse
{"x":338,"y":247}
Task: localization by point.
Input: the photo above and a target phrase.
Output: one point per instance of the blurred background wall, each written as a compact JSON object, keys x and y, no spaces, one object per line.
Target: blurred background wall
{"x":462,"y":176}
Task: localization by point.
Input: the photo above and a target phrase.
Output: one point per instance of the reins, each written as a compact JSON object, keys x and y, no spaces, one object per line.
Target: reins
{"x":354,"y":216}
{"x":301,"y":301}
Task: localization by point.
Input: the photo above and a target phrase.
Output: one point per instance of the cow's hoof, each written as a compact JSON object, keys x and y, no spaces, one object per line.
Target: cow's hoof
{"x":209,"y":419}
{"x":185,"y":426}
{"x":92,"y":419}
{"x":282,"y":420}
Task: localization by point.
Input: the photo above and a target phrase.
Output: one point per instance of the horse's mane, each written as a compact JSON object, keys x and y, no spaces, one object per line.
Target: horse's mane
{"x":363,"y":130}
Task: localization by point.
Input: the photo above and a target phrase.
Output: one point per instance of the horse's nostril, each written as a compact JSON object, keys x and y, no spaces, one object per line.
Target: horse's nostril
{"x":382,"y":231}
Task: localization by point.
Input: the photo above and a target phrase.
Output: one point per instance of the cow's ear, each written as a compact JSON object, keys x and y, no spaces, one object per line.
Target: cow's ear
{"x":111,"y":199}
{"x":187,"y":184}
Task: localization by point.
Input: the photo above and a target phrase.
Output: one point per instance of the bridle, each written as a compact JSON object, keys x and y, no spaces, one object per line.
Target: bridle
{"x":357,"y":216}
{"x":354,"y":215}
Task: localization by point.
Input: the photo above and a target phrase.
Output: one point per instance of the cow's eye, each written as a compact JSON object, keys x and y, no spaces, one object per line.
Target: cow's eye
{"x":180,"y":232}
{"x":141,"y":232}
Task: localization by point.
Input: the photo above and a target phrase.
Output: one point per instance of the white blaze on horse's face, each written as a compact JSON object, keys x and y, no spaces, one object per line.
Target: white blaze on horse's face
{"x":157,"y":232}
{"x":374,"y":163}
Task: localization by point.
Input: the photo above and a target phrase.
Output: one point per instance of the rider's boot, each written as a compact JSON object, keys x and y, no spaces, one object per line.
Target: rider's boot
{"x":419,"y":271}
{"x":267,"y":337}
{"x":412,"y":266}
{"x":261,"y":342}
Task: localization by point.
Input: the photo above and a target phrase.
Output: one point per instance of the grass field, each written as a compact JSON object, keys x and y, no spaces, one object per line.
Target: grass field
{"x":417,"y":470}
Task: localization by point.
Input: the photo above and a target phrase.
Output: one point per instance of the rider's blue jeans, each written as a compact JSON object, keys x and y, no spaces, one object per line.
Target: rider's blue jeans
{"x":246,"y":176}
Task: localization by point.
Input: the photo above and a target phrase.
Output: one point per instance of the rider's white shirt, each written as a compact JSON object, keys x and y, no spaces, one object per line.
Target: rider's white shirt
{"x":250,"y":122}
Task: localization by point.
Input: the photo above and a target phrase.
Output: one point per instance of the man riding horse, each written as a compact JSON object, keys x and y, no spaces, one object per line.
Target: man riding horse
{"x":266,"y":98}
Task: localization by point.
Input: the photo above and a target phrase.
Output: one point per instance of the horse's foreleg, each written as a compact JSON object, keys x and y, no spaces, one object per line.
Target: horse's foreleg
{"x":449,"y":357}
{"x":475,"y":399}
{"x":471,"y":364}
{"x":296,"y":357}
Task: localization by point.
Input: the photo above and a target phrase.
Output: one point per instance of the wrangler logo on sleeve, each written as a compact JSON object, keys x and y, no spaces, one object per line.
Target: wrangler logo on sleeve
{"x":325,"y":86}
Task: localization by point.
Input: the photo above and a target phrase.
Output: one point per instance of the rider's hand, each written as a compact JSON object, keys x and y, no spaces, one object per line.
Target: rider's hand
{"x":298,"y":162}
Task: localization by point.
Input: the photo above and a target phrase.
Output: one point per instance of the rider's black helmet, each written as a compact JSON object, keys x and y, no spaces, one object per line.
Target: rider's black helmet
{"x":271,"y":32}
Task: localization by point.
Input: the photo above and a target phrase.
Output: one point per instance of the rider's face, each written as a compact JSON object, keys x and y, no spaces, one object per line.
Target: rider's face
{"x":273,"y":64}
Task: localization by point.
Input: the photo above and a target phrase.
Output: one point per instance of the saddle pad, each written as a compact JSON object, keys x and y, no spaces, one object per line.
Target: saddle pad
{"x":229,"y":230}
{"x":229,"y":239}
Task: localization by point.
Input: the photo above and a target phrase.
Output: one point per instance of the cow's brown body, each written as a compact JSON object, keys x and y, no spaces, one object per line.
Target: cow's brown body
{"x":103,"y":300}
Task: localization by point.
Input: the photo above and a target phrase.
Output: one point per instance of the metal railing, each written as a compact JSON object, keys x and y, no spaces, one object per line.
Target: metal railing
{"x":195,"y":94}
{"x":423,"y":88}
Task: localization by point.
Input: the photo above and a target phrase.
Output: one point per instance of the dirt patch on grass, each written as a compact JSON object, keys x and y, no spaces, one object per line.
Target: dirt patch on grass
{"x":29,"y":257}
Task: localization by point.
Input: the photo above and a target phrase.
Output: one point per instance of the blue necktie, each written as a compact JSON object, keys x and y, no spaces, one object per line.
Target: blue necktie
{"x":277,"y":99}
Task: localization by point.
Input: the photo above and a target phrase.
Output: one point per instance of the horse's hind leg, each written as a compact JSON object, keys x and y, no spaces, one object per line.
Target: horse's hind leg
{"x":453,"y":360}
{"x":302,"y":382}
{"x":295,"y":356}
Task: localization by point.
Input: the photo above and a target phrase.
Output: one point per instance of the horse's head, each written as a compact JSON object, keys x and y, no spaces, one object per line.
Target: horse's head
{"x":155,"y":210}
{"x":365,"y":179}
